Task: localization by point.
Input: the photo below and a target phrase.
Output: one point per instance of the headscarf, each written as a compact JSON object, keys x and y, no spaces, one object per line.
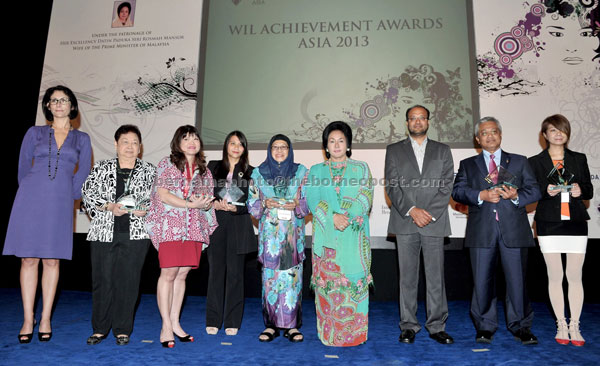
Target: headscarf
{"x":275,"y":172}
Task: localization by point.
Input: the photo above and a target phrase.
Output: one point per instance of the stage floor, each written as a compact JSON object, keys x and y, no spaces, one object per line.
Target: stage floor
{"x":71,"y":327}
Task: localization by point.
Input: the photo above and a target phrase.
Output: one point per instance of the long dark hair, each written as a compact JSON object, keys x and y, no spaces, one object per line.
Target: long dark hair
{"x":178,"y":157}
{"x":243,"y":163}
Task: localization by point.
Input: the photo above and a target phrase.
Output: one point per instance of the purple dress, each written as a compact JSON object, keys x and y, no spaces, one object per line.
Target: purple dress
{"x":41,"y":221}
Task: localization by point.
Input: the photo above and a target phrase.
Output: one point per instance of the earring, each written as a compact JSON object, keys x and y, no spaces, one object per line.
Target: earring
{"x":347,"y":149}
{"x":326,"y":150}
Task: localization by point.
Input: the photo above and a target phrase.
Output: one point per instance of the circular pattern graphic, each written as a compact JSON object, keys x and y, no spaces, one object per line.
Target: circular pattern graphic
{"x":538,"y":10}
{"x":517,"y":31}
{"x":505,"y":60}
{"x":370,"y":110}
{"x":587,"y":3}
{"x":526,"y":44}
{"x":506,"y":44}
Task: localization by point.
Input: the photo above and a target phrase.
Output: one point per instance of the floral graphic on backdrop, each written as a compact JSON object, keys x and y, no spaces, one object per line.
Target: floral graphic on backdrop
{"x":150,"y":95}
{"x":375,"y":119}
{"x":548,"y":31}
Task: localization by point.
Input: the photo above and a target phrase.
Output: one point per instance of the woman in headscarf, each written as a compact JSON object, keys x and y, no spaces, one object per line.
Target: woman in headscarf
{"x":277,"y":200}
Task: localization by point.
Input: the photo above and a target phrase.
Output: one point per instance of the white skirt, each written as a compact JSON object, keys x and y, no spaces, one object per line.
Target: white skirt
{"x":563,"y":244}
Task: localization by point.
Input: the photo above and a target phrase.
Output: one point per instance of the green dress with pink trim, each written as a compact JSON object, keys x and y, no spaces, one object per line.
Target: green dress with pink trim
{"x":341,"y":259}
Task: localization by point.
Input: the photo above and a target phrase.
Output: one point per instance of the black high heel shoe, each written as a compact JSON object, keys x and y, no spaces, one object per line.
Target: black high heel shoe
{"x":168,"y":344}
{"x":187,"y":338}
{"x":44,"y":336}
{"x":26,"y":338}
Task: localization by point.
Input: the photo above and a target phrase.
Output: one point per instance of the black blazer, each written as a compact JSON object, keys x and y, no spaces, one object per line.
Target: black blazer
{"x":514,"y":225}
{"x":236,"y":223}
{"x":548,"y":208}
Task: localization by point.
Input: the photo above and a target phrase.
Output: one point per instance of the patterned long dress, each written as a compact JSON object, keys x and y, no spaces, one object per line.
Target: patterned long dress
{"x":280,"y":249}
{"x":341,"y":259}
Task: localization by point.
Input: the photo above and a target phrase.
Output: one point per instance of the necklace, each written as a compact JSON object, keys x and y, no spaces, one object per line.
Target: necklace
{"x":57,"y":153}
{"x":50,"y":157}
{"x":122,"y":172}
{"x":337,"y":178}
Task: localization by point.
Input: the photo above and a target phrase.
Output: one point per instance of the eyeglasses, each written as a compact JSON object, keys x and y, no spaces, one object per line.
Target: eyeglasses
{"x":492,"y":132}
{"x":279,"y":148}
{"x":60,"y":101}
{"x":419,"y":118}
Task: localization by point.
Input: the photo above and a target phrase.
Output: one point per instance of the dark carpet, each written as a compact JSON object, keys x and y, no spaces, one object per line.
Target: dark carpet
{"x":71,"y":327}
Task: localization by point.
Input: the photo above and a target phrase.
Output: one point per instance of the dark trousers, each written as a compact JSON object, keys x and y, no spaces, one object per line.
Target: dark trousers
{"x":225,"y":293}
{"x":409,"y":260}
{"x":116,"y":272}
{"x":519,"y":313}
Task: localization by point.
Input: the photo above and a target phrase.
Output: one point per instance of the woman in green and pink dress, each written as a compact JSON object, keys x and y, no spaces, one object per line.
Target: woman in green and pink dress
{"x":339,"y":193}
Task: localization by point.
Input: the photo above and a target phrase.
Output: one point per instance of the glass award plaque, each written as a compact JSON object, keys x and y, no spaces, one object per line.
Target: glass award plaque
{"x":560,"y":177}
{"x":233,"y":194}
{"x":501,"y":177}
{"x":131,"y":203}
{"x":282,"y":213}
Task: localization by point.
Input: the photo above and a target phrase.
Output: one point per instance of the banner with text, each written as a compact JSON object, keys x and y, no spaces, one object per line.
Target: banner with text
{"x":133,"y":63}
{"x":292,"y":66}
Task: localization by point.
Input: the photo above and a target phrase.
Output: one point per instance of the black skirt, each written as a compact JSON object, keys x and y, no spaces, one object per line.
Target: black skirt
{"x":567,"y":227}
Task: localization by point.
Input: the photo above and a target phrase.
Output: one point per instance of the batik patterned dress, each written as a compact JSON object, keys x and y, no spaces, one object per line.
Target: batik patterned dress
{"x":280,"y":248}
{"x":341,"y":259}
{"x":166,"y":223}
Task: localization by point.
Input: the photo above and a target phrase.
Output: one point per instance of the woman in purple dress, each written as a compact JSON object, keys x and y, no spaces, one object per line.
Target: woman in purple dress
{"x":44,"y":200}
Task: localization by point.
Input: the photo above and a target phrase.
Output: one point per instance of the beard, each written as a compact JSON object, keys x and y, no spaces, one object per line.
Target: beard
{"x":418,"y":133}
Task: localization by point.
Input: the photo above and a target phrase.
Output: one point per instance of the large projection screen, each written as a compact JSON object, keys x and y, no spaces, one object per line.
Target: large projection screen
{"x":292,"y":66}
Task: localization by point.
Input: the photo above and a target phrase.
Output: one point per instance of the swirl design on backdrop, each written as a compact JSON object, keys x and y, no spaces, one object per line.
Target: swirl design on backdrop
{"x":518,"y":57}
{"x":503,"y":71}
{"x":380,"y":118}
{"x":148,"y":95}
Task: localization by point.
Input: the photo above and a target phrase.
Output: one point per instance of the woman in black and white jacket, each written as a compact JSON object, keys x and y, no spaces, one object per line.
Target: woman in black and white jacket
{"x":116,"y":196}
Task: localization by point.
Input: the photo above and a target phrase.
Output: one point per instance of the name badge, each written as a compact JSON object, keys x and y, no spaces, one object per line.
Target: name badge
{"x":565,"y":197}
{"x":285,"y":215}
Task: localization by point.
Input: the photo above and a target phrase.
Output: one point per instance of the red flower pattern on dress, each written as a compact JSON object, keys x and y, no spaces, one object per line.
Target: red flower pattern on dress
{"x":166,"y":223}
{"x":337,"y":319}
